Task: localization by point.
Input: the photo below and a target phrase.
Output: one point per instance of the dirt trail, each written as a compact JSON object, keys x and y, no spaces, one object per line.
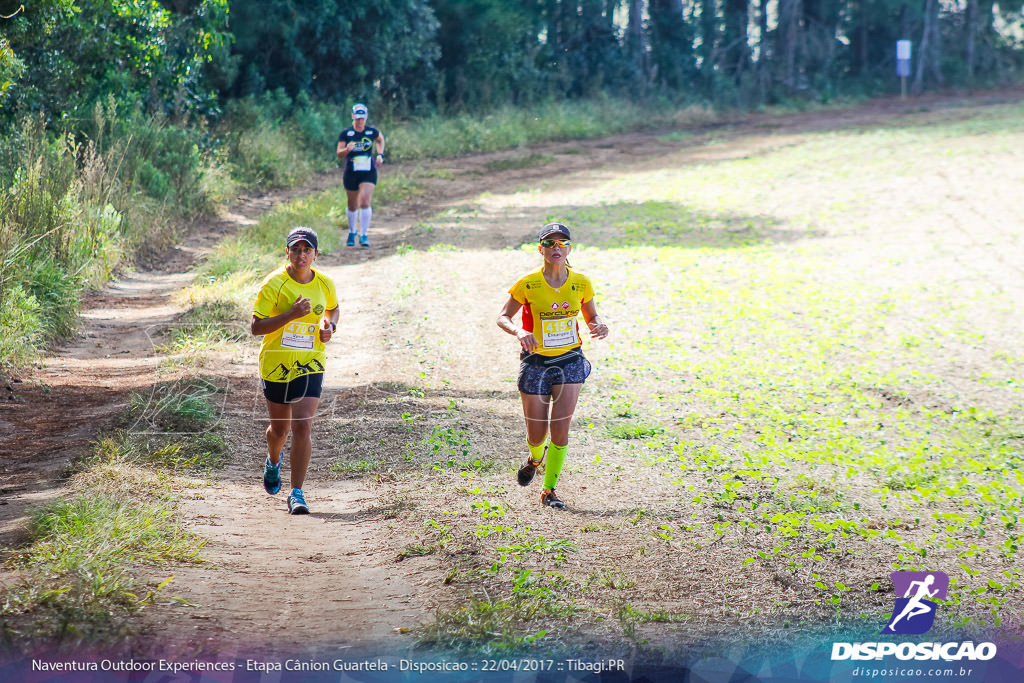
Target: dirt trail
{"x":330,"y":570}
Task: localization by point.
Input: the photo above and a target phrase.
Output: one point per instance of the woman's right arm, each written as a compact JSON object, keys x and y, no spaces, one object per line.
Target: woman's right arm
{"x":526,"y":339}
{"x":261,"y":326}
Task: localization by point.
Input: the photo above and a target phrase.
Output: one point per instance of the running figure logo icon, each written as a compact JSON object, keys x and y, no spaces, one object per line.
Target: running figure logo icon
{"x":914,"y":613}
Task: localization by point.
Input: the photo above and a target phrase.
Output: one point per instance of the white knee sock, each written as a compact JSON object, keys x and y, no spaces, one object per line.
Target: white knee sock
{"x":351,"y":213}
{"x":364,"y":219}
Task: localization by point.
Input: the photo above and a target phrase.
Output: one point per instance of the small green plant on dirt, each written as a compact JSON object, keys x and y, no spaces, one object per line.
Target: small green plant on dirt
{"x":634,"y":430}
{"x":612,"y":578}
{"x":449,"y":448}
{"x":356,"y":467}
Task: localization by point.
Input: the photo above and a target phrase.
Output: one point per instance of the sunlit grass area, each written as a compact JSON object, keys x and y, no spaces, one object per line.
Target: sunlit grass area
{"x":811,"y":382}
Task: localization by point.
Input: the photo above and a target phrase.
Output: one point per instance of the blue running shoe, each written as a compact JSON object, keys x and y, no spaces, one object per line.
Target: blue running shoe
{"x":364,"y":241}
{"x":272,"y":476}
{"x":351,"y":241}
{"x":297,"y":503}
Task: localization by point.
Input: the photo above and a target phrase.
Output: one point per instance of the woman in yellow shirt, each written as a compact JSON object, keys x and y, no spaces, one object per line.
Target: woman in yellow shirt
{"x":552,"y":368}
{"x":296,"y":312}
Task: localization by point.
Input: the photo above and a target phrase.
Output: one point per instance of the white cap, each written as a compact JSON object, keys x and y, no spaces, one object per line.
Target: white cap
{"x":359,"y":111}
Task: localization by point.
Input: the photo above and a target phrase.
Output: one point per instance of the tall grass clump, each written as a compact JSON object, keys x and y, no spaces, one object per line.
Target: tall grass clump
{"x":79,"y":572}
{"x":74,"y":205}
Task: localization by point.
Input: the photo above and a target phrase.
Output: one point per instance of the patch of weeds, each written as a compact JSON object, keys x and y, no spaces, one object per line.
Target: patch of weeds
{"x":465,"y":575}
{"x":609,"y":578}
{"x":199,"y":452}
{"x":621,"y":405}
{"x":439,"y":173}
{"x":482,"y":625}
{"x":417,"y":550}
{"x":906,"y":481}
{"x":628,"y":619}
{"x":183,"y":406}
{"x":349,"y":466}
{"x":77,"y":573}
{"x":554,"y":550}
{"x":660,"y":617}
{"x":503,"y":625}
{"x":633,"y":430}
{"x":517,"y":162}
{"x":194,"y":452}
{"x":449,"y":447}
{"x":403,"y":249}
{"x":401,"y":186}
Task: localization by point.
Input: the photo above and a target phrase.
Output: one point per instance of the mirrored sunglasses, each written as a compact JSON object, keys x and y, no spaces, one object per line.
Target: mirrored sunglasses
{"x":547,"y":244}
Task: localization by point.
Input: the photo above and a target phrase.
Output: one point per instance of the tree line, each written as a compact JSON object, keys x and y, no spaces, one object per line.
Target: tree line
{"x":188,"y":56}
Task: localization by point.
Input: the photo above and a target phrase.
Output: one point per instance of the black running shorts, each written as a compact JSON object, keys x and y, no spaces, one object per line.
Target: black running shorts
{"x":353,"y":179}
{"x":306,"y":386}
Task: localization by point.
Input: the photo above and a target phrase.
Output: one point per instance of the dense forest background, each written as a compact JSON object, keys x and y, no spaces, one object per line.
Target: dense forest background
{"x":121,"y":120}
{"x":187,"y":57}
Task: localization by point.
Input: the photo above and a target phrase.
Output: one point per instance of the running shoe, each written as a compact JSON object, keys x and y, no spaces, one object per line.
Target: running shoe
{"x":551,"y":500}
{"x":528,"y":470}
{"x":297,"y":503}
{"x":364,"y":241}
{"x":351,"y":241}
{"x":272,"y":476}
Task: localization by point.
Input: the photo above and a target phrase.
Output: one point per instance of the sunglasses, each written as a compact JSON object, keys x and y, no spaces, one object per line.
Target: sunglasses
{"x":547,"y":244}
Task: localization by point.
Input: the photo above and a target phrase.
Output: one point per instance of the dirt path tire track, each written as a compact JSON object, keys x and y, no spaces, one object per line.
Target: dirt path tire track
{"x":333,"y":559}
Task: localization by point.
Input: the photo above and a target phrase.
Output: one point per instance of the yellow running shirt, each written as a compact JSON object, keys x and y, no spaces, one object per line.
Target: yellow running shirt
{"x":551,"y":313}
{"x":295,"y":349}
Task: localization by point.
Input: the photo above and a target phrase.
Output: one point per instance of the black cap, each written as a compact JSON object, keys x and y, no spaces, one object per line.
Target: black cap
{"x":301,"y":234}
{"x":554,"y":229}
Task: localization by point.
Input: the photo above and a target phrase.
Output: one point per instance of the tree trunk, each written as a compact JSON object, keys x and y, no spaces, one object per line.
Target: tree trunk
{"x":635,"y":34}
{"x":970,"y":20}
{"x":787,"y":36}
{"x":708,"y":34}
{"x":553,"y":15}
{"x":737,"y":17}
{"x":671,"y":46}
{"x":762,"y":27}
{"x":925,"y":48}
{"x":935,"y":53}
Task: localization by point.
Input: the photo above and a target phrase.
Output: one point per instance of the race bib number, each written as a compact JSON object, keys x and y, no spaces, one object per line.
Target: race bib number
{"x":299,"y":336}
{"x":361,"y":164}
{"x":559,"y":332}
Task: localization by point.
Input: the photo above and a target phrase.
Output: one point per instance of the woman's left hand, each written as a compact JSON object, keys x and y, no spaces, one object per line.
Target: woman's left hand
{"x":326,"y":331}
{"x":598,"y":329}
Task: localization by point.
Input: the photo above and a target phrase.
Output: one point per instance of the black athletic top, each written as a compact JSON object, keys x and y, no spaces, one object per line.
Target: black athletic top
{"x":361,"y":156}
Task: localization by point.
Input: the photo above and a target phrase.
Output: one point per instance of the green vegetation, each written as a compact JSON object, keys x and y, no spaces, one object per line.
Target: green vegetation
{"x":782,"y":394}
{"x":78,"y":573}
